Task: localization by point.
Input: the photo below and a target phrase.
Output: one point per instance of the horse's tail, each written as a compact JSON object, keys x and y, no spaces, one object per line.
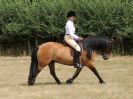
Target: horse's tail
{"x":34,"y":60}
{"x":33,"y":67}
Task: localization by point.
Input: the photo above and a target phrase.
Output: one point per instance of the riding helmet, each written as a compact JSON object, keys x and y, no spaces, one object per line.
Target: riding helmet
{"x":71,"y":13}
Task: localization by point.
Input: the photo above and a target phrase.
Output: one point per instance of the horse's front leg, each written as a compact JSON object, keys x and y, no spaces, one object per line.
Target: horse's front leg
{"x":78,"y":70}
{"x":90,"y":65}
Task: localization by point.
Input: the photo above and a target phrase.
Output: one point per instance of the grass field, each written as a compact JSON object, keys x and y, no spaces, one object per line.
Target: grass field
{"x":117,"y":72}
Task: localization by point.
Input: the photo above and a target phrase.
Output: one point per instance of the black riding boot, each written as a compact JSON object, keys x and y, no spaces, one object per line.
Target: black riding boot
{"x":77,"y":59}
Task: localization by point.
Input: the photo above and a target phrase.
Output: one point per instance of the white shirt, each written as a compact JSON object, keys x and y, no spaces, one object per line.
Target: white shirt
{"x":70,"y":29}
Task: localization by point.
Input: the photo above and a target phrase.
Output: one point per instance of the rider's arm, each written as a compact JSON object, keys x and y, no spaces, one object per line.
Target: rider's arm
{"x":70,"y":29}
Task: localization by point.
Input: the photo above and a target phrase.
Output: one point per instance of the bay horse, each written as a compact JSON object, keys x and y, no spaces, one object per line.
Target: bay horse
{"x":51,"y":52}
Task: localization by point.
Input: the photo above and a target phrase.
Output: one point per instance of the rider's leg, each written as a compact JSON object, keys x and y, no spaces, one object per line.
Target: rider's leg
{"x":73,"y":44}
{"x":77,"y":63}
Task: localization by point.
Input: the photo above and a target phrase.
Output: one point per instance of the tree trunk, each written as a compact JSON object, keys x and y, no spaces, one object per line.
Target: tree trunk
{"x":36,"y":41}
{"x":29,"y":47}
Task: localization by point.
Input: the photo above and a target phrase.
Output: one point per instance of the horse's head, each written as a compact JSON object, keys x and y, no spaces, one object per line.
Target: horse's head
{"x":107,"y":49}
{"x":102,"y":45}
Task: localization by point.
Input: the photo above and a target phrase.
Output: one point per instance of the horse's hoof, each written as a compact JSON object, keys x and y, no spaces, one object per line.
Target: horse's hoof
{"x":59,"y":83}
{"x":30,"y":83}
{"x":69,"y":81}
{"x":102,"y":82}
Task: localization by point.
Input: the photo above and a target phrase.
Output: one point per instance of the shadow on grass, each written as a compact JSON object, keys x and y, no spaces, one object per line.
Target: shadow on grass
{"x":50,"y":83}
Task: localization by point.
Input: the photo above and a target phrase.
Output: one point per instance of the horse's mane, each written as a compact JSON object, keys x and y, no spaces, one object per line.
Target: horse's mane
{"x":97,"y":43}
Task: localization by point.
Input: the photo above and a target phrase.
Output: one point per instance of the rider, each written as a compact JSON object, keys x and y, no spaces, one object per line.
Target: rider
{"x":71,"y":37}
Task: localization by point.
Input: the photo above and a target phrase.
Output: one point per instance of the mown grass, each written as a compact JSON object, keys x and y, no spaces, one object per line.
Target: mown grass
{"x":117,"y":72}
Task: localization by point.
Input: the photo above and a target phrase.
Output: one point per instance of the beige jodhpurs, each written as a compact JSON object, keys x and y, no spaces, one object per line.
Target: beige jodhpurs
{"x":72,"y":43}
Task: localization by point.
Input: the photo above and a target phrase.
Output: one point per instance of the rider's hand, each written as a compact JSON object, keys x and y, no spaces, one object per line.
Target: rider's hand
{"x":80,"y":38}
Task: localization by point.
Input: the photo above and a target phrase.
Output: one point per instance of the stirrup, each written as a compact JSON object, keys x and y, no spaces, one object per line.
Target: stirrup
{"x":77,"y":65}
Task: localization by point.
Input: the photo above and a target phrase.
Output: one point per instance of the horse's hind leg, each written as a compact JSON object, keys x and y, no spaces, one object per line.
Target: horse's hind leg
{"x":32,"y":75}
{"x":52,"y":72}
{"x":33,"y":68}
{"x":69,"y":81}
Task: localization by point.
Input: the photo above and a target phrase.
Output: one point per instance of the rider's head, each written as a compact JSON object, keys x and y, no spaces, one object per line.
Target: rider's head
{"x":71,"y":15}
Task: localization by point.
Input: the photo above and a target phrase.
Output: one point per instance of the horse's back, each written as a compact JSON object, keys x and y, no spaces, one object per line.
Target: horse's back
{"x":51,"y":44}
{"x":54,"y":51}
{"x":49,"y":47}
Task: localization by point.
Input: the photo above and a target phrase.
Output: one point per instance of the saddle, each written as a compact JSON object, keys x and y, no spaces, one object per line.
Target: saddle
{"x":80,"y":43}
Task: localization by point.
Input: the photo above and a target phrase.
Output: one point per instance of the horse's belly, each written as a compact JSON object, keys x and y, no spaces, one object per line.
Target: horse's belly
{"x":63,"y":57}
{"x":65,"y":62}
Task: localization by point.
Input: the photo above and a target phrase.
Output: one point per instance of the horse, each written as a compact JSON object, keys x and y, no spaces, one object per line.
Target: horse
{"x":49,"y":53}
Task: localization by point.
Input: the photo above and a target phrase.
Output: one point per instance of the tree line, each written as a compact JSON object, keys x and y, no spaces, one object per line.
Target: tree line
{"x":33,"y":22}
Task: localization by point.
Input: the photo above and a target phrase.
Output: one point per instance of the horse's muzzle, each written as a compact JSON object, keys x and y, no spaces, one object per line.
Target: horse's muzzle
{"x":105,"y":57}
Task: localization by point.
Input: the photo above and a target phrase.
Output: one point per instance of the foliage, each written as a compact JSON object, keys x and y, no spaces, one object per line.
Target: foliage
{"x":25,"y":19}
